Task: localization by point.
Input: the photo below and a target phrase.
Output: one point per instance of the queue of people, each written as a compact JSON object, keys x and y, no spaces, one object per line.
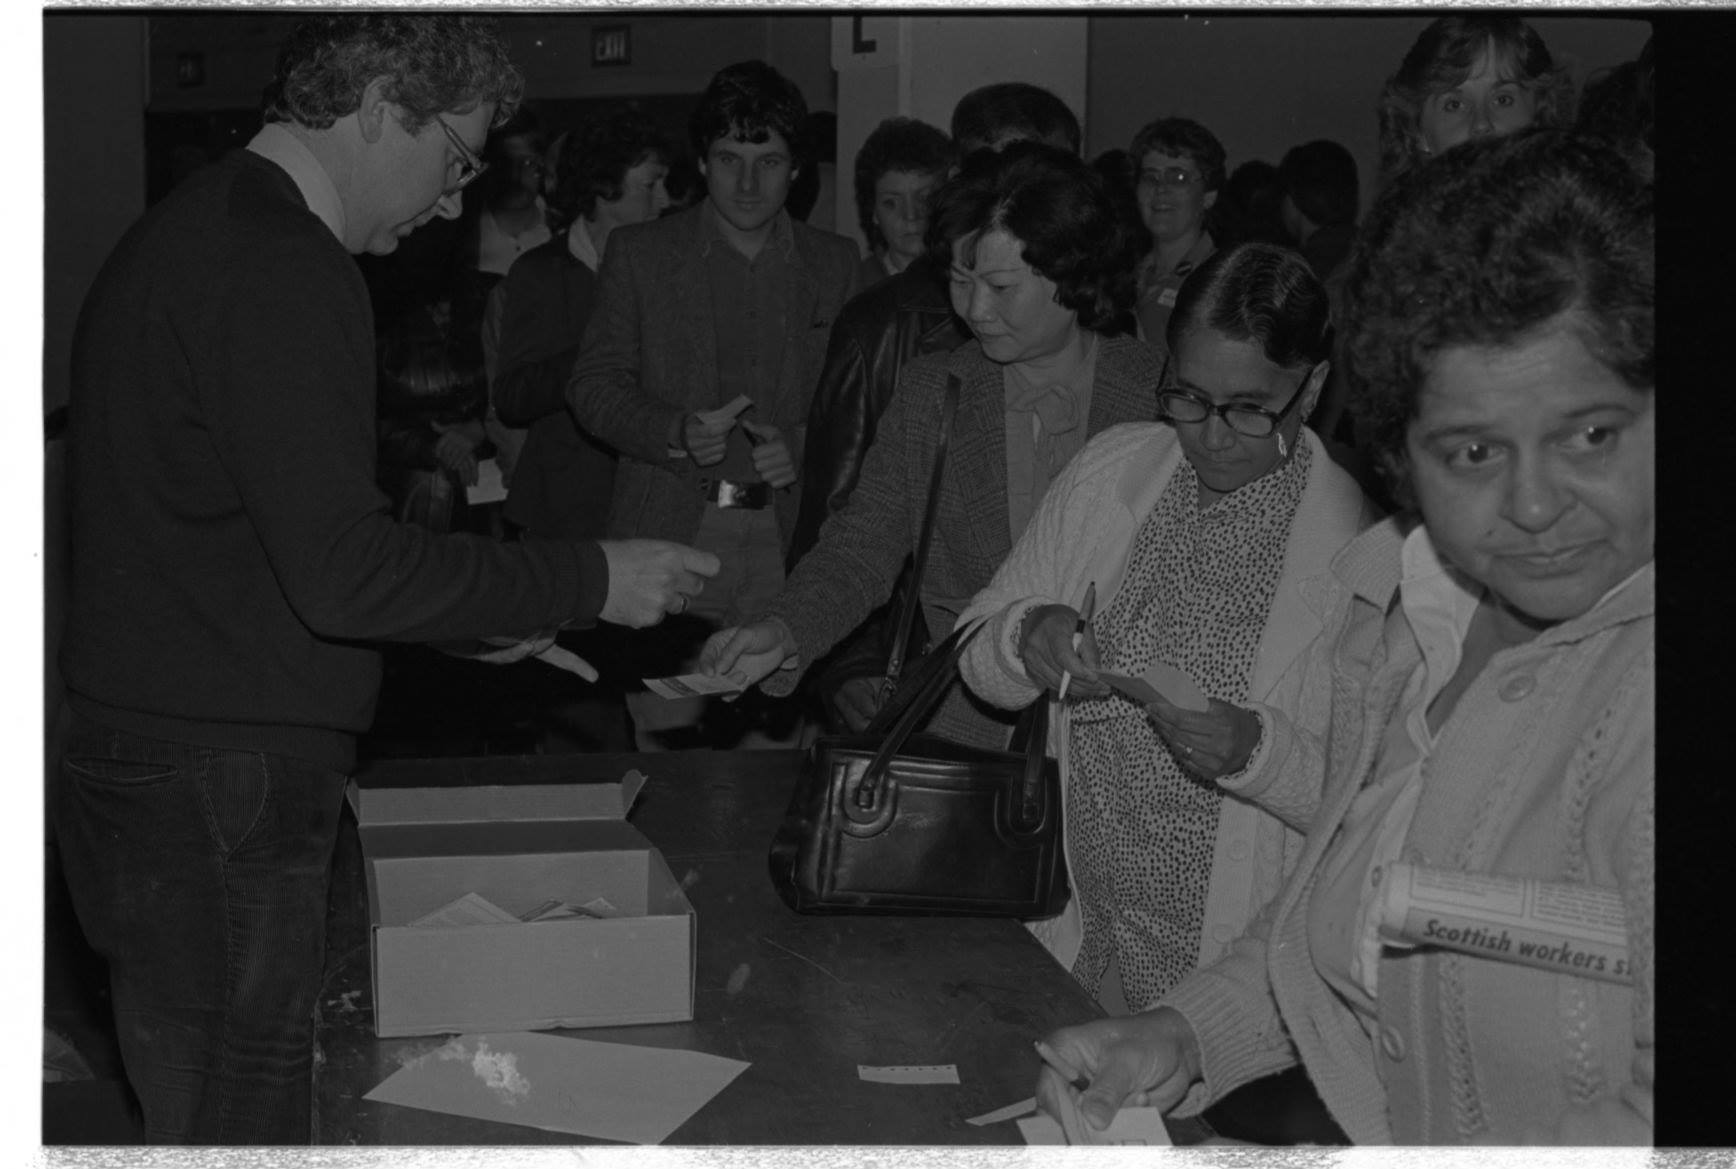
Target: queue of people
{"x":1425,"y":638}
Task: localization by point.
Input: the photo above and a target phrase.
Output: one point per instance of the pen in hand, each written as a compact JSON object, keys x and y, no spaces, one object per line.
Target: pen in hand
{"x":1079,"y":628}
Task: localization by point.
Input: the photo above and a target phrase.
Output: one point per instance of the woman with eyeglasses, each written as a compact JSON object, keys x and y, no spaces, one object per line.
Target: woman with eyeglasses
{"x":1180,"y":166}
{"x":1198,"y":537}
{"x":1482,"y":704}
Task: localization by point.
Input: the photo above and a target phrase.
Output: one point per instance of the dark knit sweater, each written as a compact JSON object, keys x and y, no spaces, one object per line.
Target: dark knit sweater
{"x":232,"y":555}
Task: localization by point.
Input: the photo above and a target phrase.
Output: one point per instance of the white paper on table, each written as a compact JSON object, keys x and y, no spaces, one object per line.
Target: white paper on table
{"x":490,"y":485}
{"x":692,"y":685}
{"x":1131,"y":1126}
{"x":470,"y":909}
{"x":934,"y":1073}
{"x":1011,"y":1112}
{"x":612,"y":1091}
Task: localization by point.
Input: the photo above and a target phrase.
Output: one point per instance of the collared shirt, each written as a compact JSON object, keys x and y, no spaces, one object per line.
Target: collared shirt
{"x":276,"y":143}
{"x":581,"y":246}
{"x":1157,"y":289}
{"x":1045,"y":428}
{"x":750,"y":317}
{"x":497,"y":248}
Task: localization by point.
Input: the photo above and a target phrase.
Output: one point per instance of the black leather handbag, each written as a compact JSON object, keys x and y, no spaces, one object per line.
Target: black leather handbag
{"x":894,"y":821}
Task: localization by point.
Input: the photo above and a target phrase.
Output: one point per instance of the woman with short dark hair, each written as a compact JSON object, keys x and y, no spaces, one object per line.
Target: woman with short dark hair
{"x":1198,"y":537}
{"x":1482,"y":699}
{"x":898,"y":169}
{"x":1040,"y":261}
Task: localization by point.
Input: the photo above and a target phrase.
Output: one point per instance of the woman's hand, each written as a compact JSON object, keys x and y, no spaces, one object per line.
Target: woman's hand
{"x":1149,"y":1058}
{"x":1208,"y":743}
{"x":455,"y":450}
{"x":1046,"y":647}
{"x":747,"y":653}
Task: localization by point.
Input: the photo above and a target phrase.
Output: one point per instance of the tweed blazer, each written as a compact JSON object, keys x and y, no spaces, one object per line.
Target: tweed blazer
{"x":862,"y":546}
{"x":649,"y":357}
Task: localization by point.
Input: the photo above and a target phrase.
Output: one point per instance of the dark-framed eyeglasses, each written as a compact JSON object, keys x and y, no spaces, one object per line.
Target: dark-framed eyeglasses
{"x":1252,"y":421}
{"x":1168,"y":176}
{"x":470,"y":167}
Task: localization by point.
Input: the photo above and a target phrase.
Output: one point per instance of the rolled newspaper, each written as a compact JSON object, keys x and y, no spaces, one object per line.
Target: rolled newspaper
{"x":1571,"y":929}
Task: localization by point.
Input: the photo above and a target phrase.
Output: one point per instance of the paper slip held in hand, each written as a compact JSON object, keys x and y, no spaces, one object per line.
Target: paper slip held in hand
{"x":726,"y":413}
{"x":1131,"y":1126}
{"x":692,"y":686}
{"x":587,"y":1088}
{"x":1177,"y":688}
{"x":489,"y":487}
{"x":470,"y":909}
{"x":932,"y":1073}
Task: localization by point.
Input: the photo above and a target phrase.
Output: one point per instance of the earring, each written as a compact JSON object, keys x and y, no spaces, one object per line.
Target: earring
{"x":1283,"y":451}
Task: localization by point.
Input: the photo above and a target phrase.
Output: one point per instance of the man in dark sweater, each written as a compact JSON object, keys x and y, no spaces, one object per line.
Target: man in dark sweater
{"x":232,"y":558}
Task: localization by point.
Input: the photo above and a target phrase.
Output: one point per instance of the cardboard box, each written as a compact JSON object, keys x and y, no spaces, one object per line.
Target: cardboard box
{"x":519,"y":846}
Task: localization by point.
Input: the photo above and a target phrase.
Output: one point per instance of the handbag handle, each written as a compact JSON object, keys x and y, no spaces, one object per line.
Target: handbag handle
{"x":1031,"y":734}
{"x":907,"y":618}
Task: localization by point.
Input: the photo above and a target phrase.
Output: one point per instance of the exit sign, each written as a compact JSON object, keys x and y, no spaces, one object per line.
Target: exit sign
{"x":612,"y":45}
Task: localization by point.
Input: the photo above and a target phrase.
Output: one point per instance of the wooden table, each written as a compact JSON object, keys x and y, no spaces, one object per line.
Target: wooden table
{"x":821,"y":994}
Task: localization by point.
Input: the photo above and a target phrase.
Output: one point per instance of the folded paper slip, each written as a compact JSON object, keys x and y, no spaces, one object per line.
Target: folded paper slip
{"x":691,"y":686}
{"x":1175,"y":685}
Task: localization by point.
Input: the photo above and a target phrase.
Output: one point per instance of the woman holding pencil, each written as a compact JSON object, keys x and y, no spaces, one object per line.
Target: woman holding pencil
{"x":1481,"y":703}
{"x":1196,"y":538}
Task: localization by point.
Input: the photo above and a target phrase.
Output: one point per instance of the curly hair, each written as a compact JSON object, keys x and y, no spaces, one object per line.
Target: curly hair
{"x":990,"y":116}
{"x":1059,"y":209}
{"x":1617,"y":104}
{"x":1186,"y":138}
{"x":431,"y":63}
{"x":1488,"y":244}
{"x":1442,"y":57}
{"x":596,"y":157}
{"x":1257,"y":292}
{"x":751,"y":101}
{"x":896,"y":144}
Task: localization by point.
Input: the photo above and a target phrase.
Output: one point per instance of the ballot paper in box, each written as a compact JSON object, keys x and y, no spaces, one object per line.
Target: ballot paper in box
{"x":496,"y":906}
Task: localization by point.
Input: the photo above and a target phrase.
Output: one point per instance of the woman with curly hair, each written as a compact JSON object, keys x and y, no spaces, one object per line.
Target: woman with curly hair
{"x":1040,"y":262}
{"x":1469,"y":77}
{"x":897,"y":171}
{"x":1198,"y":537}
{"x":1480,"y":705}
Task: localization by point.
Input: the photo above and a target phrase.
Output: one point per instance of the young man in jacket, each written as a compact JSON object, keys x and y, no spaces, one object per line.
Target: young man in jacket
{"x":731,"y":298}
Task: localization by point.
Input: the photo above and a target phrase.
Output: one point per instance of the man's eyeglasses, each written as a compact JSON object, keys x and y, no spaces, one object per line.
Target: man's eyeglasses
{"x":1168,"y":176}
{"x":470,"y":167}
{"x":1252,"y":421}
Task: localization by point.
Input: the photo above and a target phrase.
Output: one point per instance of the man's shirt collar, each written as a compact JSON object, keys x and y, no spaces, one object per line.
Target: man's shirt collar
{"x":276,"y":143}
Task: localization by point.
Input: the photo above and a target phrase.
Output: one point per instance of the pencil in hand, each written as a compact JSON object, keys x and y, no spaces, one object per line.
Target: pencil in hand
{"x":1079,"y":628}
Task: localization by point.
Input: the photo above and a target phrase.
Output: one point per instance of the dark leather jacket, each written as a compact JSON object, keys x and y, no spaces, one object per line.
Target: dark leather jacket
{"x":878,"y":331}
{"x":901,"y":318}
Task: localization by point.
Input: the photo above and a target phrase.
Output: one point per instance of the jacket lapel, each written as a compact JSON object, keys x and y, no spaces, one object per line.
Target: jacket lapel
{"x":681,"y":275}
{"x":978,"y":462}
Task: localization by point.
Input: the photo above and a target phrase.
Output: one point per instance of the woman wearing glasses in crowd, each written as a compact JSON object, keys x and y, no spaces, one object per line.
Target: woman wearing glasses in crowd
{"x":1482,"y":702}
{"x":1199,"y":537}
{"x":1180,"y":166}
